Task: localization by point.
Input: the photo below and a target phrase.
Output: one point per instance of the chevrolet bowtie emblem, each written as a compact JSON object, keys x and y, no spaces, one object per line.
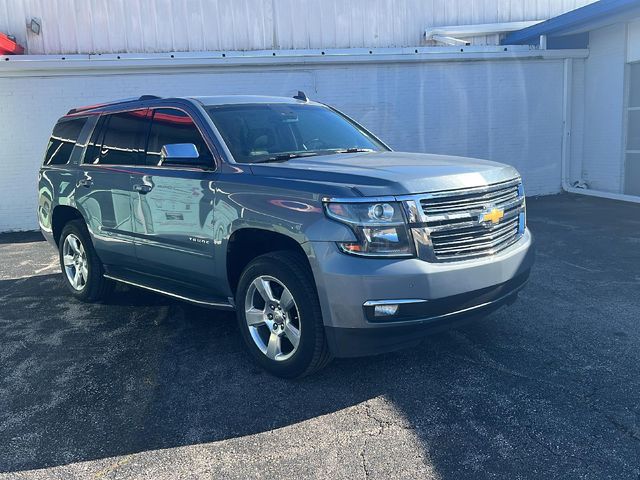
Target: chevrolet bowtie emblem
{"x":494,"y":215}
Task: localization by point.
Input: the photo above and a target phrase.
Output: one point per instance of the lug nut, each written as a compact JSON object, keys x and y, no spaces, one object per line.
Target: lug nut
{"x":270,"y":317}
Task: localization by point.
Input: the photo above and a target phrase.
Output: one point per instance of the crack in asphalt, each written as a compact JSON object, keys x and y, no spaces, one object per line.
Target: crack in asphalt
{"x":363,"y":452}
{"x":622,"y":428}
{"x":381,"y":426}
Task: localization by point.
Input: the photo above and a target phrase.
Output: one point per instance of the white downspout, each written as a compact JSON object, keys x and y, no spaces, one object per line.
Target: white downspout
{"x":565,"y":156}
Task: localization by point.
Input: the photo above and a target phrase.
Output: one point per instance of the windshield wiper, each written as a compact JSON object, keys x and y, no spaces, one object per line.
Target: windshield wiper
{"x":354,"y":150}
{"x":285,"y":156}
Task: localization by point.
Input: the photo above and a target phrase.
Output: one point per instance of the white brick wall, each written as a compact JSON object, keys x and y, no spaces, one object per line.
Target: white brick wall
{"x":504,"y":110}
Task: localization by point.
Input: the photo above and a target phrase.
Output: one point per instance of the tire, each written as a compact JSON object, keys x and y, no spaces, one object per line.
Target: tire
{"x":91,"y":286}
{"x":290,"y":270}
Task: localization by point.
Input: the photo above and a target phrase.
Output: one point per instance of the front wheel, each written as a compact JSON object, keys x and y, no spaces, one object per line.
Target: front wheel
{"x":279,"y":315}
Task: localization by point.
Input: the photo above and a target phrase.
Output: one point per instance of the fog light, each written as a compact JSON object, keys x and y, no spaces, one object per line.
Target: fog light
{"x":385,"y":310}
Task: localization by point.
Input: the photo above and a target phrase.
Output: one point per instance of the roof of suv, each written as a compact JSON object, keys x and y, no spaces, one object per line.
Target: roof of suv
{"x":204,"y":100}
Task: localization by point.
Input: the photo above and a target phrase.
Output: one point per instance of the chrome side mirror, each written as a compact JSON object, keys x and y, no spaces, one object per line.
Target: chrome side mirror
{"x":185,"y":154}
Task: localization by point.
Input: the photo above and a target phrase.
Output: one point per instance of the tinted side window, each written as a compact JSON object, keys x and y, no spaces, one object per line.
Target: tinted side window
{"x":174,"y":126}
{"x":63,"y":139}
{"x":123,"y":139}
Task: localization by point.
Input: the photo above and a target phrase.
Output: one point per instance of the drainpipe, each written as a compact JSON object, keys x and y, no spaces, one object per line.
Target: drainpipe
{"x":566,"y":144}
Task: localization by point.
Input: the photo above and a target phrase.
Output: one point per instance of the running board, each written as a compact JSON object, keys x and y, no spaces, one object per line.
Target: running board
{"x":196,"y":301}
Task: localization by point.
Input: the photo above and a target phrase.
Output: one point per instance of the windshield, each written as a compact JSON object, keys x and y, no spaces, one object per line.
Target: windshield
{"x":277,"y":132}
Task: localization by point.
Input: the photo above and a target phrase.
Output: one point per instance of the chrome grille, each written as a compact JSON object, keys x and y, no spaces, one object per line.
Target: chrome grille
{"x":454,"y":220}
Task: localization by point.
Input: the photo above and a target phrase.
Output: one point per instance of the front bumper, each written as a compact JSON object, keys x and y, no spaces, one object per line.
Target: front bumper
{"x":450,"y":293}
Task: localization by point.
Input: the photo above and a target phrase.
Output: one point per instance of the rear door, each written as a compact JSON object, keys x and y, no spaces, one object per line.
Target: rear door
{"x":173,"y":208}
{"x":103,"y":192}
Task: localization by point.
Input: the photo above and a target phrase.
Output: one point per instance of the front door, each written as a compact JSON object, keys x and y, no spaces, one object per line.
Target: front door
{"x":173,"y":208}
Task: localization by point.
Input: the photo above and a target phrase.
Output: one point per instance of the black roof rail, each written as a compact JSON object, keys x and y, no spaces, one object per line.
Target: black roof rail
{"x":114,"y":102}
{"x":149,"y":97}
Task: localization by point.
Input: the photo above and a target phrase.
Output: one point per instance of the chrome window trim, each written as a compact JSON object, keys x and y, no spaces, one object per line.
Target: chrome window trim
{"x":154,"y":167}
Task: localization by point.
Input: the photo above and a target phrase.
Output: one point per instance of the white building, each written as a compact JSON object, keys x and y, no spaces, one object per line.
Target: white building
{"x":567,"y":114}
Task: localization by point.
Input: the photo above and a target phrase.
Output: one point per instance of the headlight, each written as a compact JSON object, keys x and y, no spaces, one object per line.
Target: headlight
{"x":380,"y":228}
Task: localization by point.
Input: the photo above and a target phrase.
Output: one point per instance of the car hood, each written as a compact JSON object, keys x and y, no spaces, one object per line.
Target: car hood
{"x":389,"y":173}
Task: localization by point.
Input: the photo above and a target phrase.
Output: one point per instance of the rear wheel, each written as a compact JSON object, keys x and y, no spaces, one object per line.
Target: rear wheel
{"x":279,"y":315}
{"x":81,"y":267}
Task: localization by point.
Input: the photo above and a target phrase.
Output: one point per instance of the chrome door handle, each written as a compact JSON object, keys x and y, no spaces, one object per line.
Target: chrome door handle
{"x":84,"y":182}
{"x":142,"y":188}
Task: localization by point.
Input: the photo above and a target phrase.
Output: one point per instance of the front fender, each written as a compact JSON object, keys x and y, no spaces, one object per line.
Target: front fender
{"x":296,"y":214}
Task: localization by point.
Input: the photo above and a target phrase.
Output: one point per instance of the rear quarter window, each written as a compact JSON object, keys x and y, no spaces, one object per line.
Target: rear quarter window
{"x":63,"y":139}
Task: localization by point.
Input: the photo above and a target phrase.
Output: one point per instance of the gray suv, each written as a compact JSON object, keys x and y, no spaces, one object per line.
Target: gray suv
{"x":324,"y":241}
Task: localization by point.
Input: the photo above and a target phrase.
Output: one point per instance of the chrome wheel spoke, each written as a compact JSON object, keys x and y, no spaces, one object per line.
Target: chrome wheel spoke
{"x":85,"y":272}
{"x":76,"y":278}
{"x":264,"y":289}
{"x":68,"y":260}
{"x":273,"y":348}
{"x":74,"y":243}
{"x":292,"y":334}
{"x":286,"y":300}
{"x":255,"y":317}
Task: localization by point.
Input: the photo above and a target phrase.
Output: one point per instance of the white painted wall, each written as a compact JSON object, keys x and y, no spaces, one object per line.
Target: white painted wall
{"x":114,"y":26}
{"x":604,"y":77}
{"x":505,"y":110}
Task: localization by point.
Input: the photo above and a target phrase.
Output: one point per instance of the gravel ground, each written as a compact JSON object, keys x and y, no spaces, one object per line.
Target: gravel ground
{"x":146,"y":387}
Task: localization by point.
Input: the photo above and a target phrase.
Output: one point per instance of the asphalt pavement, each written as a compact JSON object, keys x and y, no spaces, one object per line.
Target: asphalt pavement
{"x":147,"y":387}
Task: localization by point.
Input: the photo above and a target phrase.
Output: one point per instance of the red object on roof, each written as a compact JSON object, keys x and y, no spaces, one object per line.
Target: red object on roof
{"x":9,"y":46}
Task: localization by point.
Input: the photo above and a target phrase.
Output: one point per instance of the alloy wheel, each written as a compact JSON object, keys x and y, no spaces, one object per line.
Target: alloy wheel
{"x":74,"y":258}
{"x":273,"y":318}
